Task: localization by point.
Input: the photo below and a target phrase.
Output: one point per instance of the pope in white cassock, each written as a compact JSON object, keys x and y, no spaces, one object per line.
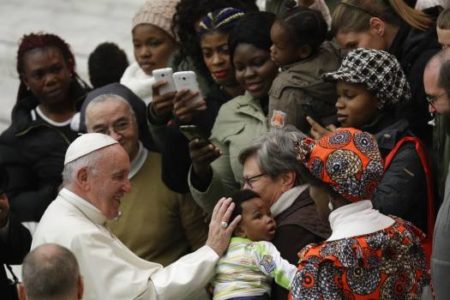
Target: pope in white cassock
{"x":95,"y":179}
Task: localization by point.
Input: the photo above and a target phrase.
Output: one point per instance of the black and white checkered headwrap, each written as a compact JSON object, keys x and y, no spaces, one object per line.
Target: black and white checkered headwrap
{"x":379,"y":71}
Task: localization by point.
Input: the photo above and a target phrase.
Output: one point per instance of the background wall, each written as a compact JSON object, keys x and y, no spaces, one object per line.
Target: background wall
{"x":82,"y":23}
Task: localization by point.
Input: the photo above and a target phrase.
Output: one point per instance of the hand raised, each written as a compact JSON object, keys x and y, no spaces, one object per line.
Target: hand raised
{"x":186,"y":106}
{"x":220,"y":227}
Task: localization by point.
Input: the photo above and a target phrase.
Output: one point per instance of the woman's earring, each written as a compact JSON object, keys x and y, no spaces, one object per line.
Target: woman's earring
{"x":330,"y":205}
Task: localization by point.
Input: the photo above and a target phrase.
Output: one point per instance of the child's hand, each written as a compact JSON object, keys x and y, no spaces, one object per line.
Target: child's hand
{"x":317,"y":130}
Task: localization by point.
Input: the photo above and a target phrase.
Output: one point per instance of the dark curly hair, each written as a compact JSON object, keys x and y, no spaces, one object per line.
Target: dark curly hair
{"x":44,"y":40}
{"x":106,"y":64}
{"x":305,"y":26}
{"x":187,"y":15}
{"x":253,"y":29}
{"x":240,"y":197}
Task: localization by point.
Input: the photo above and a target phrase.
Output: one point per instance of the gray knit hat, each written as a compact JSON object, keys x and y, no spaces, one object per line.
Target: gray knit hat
{"x":377,"y":70}
{"x":158,"y":13}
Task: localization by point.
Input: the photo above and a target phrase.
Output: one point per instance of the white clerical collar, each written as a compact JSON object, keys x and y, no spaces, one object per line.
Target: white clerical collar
{"x":357,"y":219}
{"x":287,"y":199}
{"x":89,"y":210}
{"x":138,"y":161}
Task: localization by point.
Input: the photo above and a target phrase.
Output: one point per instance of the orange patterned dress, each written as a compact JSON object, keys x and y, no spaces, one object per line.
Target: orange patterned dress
{"x":387,"y":264}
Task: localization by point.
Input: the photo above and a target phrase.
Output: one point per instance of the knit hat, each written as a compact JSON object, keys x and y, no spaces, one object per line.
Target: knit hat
{"x":377,"y":70}
{"x":348,"y":160}
{"x":158,"y":13}
{"x":87,"y":143}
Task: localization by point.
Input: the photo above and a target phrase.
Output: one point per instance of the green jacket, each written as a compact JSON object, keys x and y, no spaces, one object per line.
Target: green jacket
{"x":239,"y":121}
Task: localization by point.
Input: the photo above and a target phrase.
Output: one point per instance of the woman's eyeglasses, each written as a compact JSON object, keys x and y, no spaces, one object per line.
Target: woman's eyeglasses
{"x":252,"y":179}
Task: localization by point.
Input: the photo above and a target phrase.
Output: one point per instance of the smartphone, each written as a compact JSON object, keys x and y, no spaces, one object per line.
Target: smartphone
{"x":186,"y":80}
{"x":192,"y":132}
{"x":165,"y":74}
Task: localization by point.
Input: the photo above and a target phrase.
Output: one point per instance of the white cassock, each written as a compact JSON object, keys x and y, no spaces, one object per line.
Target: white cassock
{"x":109,"y":269}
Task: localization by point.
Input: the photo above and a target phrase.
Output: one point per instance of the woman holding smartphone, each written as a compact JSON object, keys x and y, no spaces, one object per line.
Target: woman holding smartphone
{"x":184,"y":108}
{"x":215,"y":167}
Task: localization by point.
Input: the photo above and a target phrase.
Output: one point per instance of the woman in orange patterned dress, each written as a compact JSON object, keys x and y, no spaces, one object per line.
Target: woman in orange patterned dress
{"x":369,"y":255}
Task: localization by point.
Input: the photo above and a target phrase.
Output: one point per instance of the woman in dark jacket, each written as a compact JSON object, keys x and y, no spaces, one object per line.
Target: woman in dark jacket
{"x":15,"y":241}
{"x":212,"y":33}
{"x":33,"y":147}
{"x":395,"y":27}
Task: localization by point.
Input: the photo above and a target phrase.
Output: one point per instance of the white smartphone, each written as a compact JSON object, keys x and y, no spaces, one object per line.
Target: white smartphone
{"x":186,"y":80}
{"x":165,"y":74}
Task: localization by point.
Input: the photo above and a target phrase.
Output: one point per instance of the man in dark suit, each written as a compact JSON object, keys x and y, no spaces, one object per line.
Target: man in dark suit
{"x":15,"y":241}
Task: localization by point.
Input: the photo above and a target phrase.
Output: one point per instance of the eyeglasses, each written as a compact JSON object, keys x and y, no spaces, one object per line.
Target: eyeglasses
{"x":251,"y":180}
{"x":432,"y":99}
{"x":118,"y":127}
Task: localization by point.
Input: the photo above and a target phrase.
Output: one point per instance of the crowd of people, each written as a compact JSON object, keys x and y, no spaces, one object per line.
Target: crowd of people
{"x":311,"y":163}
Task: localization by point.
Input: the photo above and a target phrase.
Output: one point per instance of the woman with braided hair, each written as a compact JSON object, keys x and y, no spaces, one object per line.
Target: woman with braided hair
{"x":33,"y":147}
{"x":185,"y":21}
{"x":212,"y":32}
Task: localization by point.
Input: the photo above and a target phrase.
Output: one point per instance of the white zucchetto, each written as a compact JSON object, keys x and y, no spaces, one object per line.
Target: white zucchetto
{"x":87,"y":143}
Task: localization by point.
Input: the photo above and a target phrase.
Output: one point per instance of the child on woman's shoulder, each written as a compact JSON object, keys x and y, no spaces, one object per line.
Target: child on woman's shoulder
{"x":251,"y":261}
{"x":300,"y":49}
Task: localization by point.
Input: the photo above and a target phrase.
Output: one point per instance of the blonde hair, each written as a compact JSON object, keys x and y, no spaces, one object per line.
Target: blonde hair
{"x":354,"y":15}
{"x":443,"y":21}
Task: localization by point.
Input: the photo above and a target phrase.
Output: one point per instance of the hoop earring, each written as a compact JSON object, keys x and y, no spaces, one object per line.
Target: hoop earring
{"x":330,"y":205}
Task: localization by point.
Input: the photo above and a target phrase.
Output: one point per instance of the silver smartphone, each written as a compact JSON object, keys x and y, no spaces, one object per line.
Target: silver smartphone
{"x":186,"y":80}
{"x":167,"y":75}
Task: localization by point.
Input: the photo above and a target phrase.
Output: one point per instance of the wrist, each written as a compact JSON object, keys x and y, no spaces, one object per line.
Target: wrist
{"x":4,"y":222}
{"x":201,"y":183}
{"x":155,"y":118}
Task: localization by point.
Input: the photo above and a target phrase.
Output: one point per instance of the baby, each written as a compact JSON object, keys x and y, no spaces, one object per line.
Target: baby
{"x":443,"y":28}
{"x":251,"y":261}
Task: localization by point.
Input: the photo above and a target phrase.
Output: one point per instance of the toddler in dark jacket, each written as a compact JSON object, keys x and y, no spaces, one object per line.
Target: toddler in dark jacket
{"x":300,"y":49}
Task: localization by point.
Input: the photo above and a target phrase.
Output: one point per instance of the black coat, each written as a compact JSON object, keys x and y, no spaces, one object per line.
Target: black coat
{"x":33,"y":151}
{"x":402,"y":191}
{"x":297,"y":226}
{"x":414,"y":48}
{"x":13,"y":248}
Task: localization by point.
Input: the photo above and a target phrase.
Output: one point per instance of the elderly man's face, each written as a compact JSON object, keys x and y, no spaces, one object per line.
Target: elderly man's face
{"x":108,"y":182}
{"x":113,"y":117}
{"x":438,"y":99}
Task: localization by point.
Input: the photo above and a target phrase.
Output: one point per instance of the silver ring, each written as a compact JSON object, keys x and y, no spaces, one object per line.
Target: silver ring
{"x":224,"y":224}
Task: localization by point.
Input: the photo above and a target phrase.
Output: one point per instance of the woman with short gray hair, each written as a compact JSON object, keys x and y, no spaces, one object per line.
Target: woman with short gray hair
{"x":271,"y":169}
